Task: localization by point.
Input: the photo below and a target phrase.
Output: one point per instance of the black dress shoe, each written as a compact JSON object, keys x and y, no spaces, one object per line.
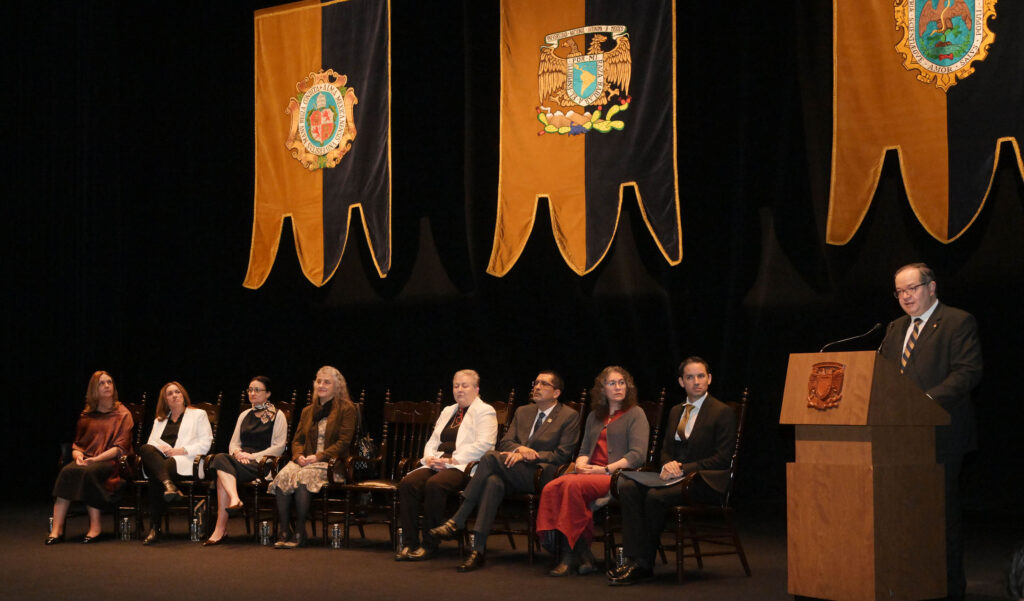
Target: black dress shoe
{"x":586,"y":568}
{"x":171,"y":492}
{"x":632,"y":575}
{"x":55,"y":540}
{"x":90,"y":539}
{"x":475,"y":561}
{"x":153,"y":537}
{"x":220,"y":541}
{"x":422,"y":553}
{"x":446,"y":531}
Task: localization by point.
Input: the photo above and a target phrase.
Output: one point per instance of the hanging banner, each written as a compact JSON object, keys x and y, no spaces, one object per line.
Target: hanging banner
{"x":323,"y":133}
{"x":940,"y":81}
{"x":587,"y":110}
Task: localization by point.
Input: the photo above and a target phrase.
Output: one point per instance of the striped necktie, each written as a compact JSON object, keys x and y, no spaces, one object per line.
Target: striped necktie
{"x":681,"y":429}
{"x":910,"y":344}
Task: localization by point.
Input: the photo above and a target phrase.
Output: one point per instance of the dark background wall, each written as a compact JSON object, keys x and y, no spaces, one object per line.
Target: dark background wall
{"x":129,"y":146}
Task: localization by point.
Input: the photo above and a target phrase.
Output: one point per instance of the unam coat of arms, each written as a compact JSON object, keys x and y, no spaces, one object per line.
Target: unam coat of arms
{"x":825,"y":385}
{"x":572,"y":79}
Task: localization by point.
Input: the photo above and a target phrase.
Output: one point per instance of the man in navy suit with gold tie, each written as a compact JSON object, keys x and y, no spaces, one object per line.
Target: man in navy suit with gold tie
{"x":702,"y":444}
{"x":937,"y":347}
{"x":542,"y":435}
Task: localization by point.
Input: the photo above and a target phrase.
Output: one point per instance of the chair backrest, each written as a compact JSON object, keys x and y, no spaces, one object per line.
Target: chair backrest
{"x":407,"y":426}
{"x":584,"y":405}
{"x":654,"y":410}
{"x":740,"y":409}
{"x":138,"y":411}
{"x":504,"y":411}
{"x":213,"y":412}
{"x":290,"y":410}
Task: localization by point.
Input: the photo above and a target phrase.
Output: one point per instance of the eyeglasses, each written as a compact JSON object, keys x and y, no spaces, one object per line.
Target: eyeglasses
{"x":543,"y":383}
{"x":908,"y":290}
{"x":255,"y":390}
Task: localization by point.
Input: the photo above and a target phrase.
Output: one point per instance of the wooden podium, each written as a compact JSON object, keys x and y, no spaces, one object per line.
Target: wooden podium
{"x":865,"y":495}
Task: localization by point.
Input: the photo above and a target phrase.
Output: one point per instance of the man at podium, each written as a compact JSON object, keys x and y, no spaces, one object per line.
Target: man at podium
{"x":937,"y":346}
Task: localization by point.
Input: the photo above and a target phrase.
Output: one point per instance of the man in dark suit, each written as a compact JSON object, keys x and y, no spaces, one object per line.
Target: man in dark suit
{"x":542,"y":436}
{"x":937,"y":347}
{"x":699,"y":451}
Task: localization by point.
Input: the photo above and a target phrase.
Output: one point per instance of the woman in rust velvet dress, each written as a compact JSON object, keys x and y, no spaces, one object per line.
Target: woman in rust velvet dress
{"x":615,"y":438}
{"x":103,"y":434}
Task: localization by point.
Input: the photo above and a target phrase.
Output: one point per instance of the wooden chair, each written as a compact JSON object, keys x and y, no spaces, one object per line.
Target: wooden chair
{"x":513,"y":505}
{"x":256,"y":502}
{"x":712,"y":525}
{"x":333,"y":502}
{"x":504,"y":412}
{"x":138,"y":411}
{"x":609,"y":516}
{"x":194,"y":504}
{"x":407,"y":426}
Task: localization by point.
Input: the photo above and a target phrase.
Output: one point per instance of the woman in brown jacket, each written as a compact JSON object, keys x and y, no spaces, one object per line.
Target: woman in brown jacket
{"x":324,"y":431}
{"x":103,"y":434}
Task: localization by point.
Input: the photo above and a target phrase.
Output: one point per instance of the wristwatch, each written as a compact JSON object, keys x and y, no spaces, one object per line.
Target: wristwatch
{"x":606,"y":470}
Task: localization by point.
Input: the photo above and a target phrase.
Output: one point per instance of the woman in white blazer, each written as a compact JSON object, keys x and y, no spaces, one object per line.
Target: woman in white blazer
{"x":462,"y":434}
{"x":180,"y":433}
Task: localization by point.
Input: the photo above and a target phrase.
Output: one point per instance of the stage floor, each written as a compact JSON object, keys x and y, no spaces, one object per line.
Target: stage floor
{"x":111,"y":569}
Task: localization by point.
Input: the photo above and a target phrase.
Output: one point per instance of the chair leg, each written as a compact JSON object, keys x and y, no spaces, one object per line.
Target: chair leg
{"x":696,"y":547}
{"x":680,"y":547}
{"x":394,"y":519}
{"x":609,"y":538}
{"x":531,"y":529}
{"x":737,"y":543}
{"x":348,"y":519}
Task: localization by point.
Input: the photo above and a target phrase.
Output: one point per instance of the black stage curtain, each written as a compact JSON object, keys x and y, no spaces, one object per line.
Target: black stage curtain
{"x":129,"y":199}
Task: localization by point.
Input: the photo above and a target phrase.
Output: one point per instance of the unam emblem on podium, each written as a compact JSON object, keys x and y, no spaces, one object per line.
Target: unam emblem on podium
{"x":825,"y":385}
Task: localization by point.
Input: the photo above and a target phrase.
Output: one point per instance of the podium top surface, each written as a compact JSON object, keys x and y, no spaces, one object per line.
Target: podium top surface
{"x":854,"y":389}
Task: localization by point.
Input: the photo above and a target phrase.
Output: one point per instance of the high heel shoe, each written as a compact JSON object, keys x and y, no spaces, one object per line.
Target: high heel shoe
{"x":55,"y":540}
{"x":220,"y":541}
{"x":90,"y":539}
{"x":235,"y":510}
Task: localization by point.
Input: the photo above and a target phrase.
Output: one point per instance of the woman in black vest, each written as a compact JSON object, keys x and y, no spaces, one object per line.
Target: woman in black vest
{"x":261,"y":431}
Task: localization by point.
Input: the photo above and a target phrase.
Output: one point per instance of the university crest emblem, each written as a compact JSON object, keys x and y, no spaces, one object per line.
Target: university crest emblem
{"x":574,"y":80}
{"x":322,"y":120}
{"x":825,"y":385}
{"x":943,"y":38}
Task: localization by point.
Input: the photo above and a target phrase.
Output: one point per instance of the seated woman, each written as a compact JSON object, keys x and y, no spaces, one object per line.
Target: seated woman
{"x":616,"y":437}
{"x":463,"y":433}
{"x":103,"y":434}
{"x":180,"y":432}
{"x":324,"y":431}
{"x":261,"y":431}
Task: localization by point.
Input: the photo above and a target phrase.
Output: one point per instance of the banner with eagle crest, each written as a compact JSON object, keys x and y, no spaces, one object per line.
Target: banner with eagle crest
{"x":587,"y":110}
{"x":323,"y":133}
{"x":940,"y":81}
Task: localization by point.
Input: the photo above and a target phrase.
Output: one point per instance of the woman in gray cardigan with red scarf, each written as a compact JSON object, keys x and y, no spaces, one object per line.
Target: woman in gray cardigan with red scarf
{"x":616,"y":437}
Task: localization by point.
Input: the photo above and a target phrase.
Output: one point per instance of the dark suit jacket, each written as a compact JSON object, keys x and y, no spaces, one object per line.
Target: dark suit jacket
{"x":554,"y":440}
{"x":710,"y":446}
{"x":946,"y":363}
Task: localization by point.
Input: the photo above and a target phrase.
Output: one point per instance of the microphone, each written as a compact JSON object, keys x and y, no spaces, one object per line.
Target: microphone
{"x":874,"y":328}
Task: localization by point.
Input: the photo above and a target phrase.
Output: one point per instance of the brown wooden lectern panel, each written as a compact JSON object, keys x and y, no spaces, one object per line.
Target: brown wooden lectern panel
{"x":865,"y":496}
